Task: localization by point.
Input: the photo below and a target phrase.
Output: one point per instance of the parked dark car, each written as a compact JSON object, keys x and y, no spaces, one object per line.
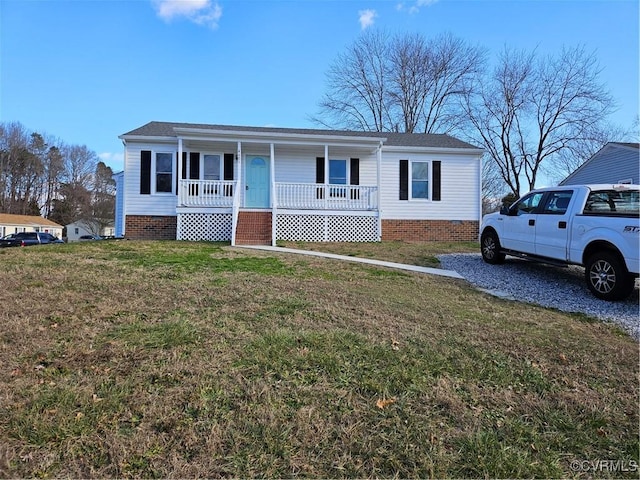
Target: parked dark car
{"x":26,"y":239}
{"x":88,"y":238}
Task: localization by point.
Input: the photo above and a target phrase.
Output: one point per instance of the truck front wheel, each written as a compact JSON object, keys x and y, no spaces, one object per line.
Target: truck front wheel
{"x":607,"y":277}
{"x":490,"y":247}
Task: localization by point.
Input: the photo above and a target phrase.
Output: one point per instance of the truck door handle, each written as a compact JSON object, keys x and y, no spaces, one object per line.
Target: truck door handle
{"x":532,"y":222}
{"x":562,"y":224}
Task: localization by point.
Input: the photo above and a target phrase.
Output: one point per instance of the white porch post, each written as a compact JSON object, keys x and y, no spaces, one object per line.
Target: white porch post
{"x":378,"y":178}
{"x":274,"y":195}
{"x":237,"y":196}
{"x":326,"y":192}
{"x":179,"y":184}
{"x":326,"y":175}
{"x":179,"y":172}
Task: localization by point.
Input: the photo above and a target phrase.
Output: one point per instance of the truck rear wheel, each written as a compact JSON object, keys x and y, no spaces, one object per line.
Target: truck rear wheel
{"x":490,"y":247}
{"x":607,"y":276}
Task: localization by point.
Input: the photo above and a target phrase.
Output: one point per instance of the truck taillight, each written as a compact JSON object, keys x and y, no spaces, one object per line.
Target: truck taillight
{"x":22,"y":243}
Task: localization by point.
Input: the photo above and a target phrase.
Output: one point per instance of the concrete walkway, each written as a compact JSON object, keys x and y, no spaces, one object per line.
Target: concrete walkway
{"x":379,"y":263}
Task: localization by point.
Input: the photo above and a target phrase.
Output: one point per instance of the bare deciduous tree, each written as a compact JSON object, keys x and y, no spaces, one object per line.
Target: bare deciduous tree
{"x":402,"y":83}
{"x":41,"y":175}
{"x":531,"y":109}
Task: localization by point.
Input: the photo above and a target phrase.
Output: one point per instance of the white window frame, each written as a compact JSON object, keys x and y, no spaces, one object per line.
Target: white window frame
{"x":220,"y":165}
{"x":154,"y":172}
{"x":347,"y":167}
{"x":429,"y":181}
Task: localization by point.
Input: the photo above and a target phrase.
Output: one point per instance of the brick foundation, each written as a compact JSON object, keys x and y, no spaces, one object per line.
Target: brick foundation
{"x":430,"y":230}
{"x":147,"y":227}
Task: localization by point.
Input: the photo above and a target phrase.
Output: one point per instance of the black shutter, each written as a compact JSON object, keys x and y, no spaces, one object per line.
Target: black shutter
{"x":194,"y":166}
{"x":177,"y":169}
{"x":404,"y":179}
{"x":355,"y":178}
{"x":228,"y":166}
{"x":436,"y":165}
{"x":145,"y":172}
{"x":355,"y":171}
{"x":319,"y":169}
{"x":320,"y":176}
{"x":184,"y":165}
{"x":228,"y":173}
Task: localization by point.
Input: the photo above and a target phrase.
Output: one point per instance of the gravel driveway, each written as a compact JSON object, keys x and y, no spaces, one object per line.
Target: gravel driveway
{"x":546,"y":285}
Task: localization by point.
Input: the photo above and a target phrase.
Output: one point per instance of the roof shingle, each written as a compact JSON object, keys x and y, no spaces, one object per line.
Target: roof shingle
{"x":166,"y":129}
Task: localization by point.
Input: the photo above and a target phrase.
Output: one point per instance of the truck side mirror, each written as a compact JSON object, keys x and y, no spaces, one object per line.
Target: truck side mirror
{"x":504,"y":210}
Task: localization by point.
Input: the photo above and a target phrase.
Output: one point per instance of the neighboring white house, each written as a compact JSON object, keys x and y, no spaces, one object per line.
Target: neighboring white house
{"x":613,"y":163}
{"x":84,"y":227}
{"x":10,"y":223}
{"x":259,"y":185}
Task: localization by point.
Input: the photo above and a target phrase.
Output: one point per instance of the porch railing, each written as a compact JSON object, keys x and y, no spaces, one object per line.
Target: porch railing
{"x":207,"y":193}
{"x":313,"y":196}
{"x":297,"y":196}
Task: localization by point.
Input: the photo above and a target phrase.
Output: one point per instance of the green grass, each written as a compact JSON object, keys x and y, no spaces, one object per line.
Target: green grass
{"x":179,"y":359}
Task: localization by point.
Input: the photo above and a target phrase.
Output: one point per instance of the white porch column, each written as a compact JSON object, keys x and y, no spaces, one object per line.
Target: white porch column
{"x":274,"y":194}
{"x":237,"y":197}
{"x":179,"y":186}
{"x":378,"y":181}
{"x":326,"y":176}
{"x":179,"y":172}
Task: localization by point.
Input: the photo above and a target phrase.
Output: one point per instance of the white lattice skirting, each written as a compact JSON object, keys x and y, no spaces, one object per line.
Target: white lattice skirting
{"x":327,"y":228}
{"x":213,"y":227}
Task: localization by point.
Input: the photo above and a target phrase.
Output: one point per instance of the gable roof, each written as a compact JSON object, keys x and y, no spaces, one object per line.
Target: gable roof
{"x":26,"y":220}
{"x":625,"y":144}
{"x":433,"y":140}
{"x":613,"y":162}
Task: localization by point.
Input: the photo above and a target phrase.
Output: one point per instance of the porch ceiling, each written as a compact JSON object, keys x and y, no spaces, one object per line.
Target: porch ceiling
{"x":305,"y":149}
{"x":206,"y":137}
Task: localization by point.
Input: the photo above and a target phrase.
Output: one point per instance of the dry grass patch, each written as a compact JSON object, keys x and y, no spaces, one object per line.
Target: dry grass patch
{"x":177,"y":359}
{"x":412,"y":253}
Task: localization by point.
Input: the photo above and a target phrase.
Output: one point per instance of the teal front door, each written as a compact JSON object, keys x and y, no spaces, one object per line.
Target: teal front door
{"x":257,"y":182}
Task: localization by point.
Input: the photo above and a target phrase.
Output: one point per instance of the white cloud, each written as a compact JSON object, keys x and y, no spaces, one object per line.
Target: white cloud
{"x":366,"y":18}
{"x":415,"y":6}
{"x":201,"y":12}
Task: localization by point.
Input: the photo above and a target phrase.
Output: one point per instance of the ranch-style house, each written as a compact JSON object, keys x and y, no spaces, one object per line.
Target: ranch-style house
{"x":257,"y":185}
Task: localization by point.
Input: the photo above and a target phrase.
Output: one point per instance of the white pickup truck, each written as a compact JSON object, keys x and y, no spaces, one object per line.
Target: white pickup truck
{"x":596,"y":226}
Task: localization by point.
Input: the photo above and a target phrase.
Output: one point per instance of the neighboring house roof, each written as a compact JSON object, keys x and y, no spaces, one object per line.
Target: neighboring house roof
{"x":614,"y":162}
{"x":26,"y":220}
{"x":167,"y":129}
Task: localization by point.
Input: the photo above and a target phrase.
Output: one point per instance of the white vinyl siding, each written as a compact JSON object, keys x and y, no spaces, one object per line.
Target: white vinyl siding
{"x":611,"y":164}
{"x":460,"y":177}
{"x":136,"y":204}
{"x":460,"y":188}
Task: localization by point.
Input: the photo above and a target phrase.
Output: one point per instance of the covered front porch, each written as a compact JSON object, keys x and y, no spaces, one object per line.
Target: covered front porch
{"x":276,"y":177}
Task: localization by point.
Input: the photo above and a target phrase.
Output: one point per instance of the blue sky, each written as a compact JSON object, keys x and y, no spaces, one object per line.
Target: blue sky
{"x":86,"y":71}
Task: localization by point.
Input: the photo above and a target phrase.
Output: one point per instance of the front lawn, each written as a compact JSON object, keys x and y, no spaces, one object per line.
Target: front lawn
{"x":177,"y":359}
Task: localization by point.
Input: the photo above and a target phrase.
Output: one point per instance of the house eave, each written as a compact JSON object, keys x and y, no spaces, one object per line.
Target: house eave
{"x":438,"y":150}
{"x":276,"y":137}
